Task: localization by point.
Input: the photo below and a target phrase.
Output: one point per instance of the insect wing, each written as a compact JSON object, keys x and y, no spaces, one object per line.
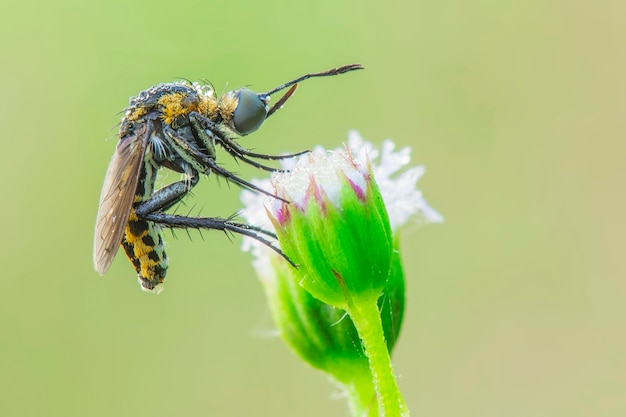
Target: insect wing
{"x":116,"y":198}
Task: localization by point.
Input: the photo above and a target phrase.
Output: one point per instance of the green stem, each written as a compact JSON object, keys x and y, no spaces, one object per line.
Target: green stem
{"x":366,"y":319}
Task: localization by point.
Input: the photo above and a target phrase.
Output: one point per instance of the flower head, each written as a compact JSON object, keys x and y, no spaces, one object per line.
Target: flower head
{"x":342,"y":308}
{"x":397,"y":184}
{"x":336,"y":229}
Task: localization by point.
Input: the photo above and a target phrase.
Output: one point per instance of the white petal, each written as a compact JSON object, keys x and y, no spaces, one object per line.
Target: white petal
{"x":398,"y":186}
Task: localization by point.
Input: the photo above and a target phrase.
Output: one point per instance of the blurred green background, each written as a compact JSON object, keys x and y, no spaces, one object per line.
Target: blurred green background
{"x":515,"y":303}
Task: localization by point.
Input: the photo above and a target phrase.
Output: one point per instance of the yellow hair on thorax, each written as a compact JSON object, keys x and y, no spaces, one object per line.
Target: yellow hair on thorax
{"x":174,"y":105}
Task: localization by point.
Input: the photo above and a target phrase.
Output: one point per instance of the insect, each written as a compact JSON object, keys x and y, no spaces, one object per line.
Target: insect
{"x":177,"y":126}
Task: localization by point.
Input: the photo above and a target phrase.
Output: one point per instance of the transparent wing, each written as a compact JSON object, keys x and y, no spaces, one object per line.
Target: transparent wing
{"x":116,"y":199}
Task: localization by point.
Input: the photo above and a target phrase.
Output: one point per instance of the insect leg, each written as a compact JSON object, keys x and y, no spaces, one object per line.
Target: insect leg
{"x":197,"y":159}
{"x":214,"y":223}
{"x":202,"y":123}
{"x":238,"y":151}
{"x":171,"y":194}
{"x":239,"y":157}
{"x":153,"y":209}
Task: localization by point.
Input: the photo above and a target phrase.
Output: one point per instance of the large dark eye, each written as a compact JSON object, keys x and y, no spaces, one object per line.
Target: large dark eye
{"x":250,"y":113}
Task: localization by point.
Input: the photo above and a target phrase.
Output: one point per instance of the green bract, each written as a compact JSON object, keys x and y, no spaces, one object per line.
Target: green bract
{"x":324,"y":336}
{"x":343,"y":251}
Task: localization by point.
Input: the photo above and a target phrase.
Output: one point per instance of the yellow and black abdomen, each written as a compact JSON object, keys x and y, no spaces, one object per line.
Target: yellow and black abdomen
{"x":142,"y":241}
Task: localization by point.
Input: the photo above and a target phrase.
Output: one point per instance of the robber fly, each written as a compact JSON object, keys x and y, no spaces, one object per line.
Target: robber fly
{"x":177,"y":126}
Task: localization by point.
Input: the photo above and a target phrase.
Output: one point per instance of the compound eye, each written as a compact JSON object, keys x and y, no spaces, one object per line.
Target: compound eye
{"x":250,"y":113}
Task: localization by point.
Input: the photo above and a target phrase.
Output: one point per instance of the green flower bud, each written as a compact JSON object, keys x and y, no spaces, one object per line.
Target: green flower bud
{"x":349,"y":276}
{"x":336,"y":230}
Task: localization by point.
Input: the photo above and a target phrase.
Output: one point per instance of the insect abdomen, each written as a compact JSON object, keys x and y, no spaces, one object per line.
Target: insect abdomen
{"x":143,"y":245}
{"x":142,"y":241}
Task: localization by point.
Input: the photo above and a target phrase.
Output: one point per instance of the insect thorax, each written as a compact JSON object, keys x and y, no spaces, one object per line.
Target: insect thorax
{"x":169,"y":102}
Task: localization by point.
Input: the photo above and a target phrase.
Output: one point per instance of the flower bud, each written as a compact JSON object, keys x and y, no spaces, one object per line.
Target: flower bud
{"x":336,"y":229}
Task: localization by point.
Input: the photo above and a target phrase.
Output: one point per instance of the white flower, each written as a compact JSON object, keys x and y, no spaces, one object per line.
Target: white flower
{"x":325,"y":168}
{"x":397,"y":185}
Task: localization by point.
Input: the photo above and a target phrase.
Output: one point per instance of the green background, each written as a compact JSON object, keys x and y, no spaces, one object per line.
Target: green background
{"x":515,"y":304}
